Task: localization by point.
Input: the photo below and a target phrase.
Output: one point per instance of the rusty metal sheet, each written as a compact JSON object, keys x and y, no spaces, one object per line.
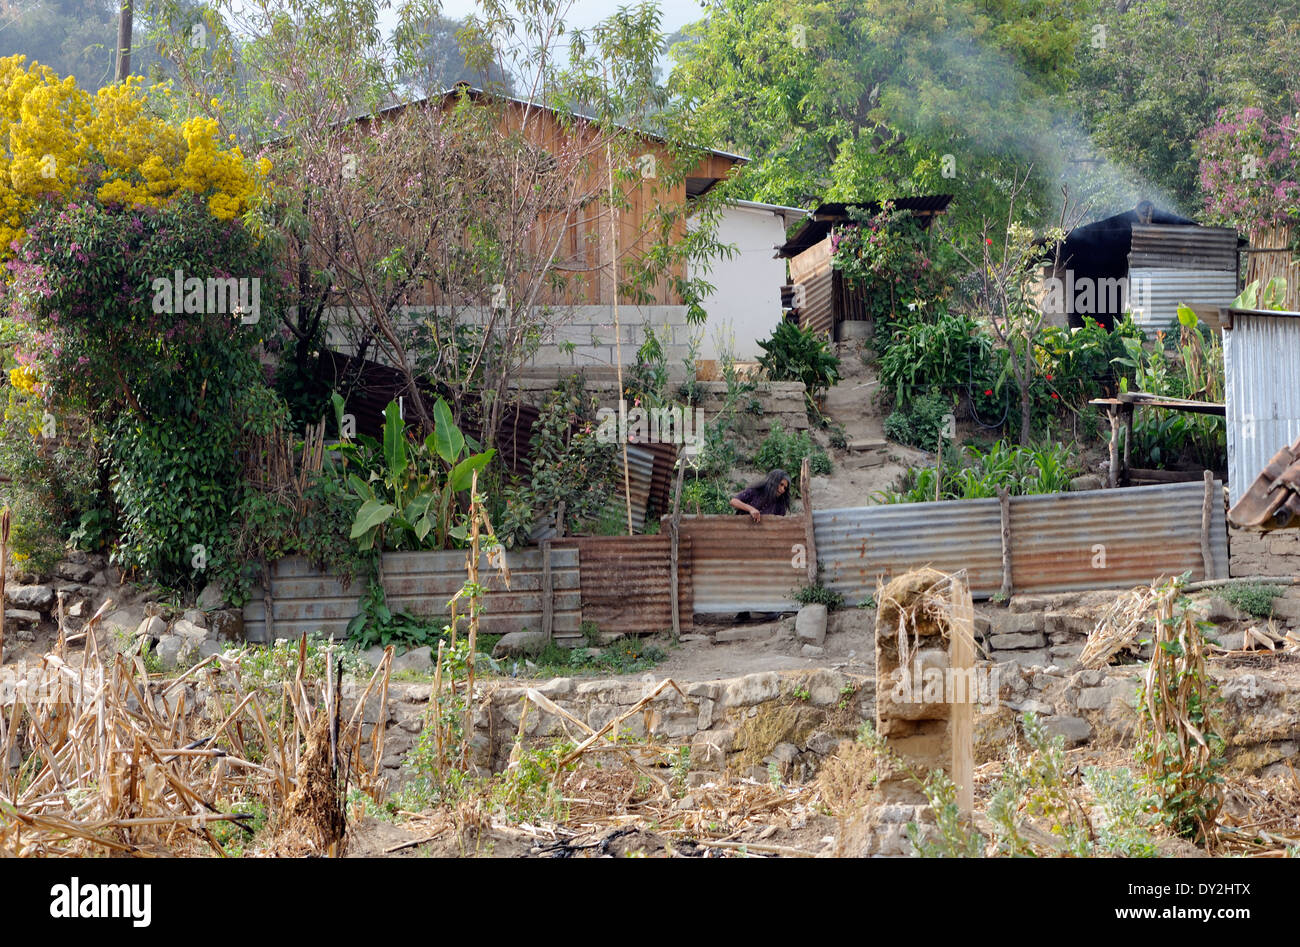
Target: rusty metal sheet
{"x":738,"y":565}
{"x":626,"y":581}
{"x":860,"y":546}
{"x":307,"y":600}
{"x":1098,"y":539}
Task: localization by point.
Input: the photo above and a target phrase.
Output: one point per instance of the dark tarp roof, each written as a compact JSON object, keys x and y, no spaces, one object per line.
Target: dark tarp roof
{"x":814,"y":229}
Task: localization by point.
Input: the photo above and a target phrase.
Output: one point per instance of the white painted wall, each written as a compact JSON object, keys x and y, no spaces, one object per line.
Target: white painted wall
{"x":745,"y":307}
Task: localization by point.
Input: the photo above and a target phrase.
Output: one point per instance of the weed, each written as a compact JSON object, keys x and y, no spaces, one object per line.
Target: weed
{"x":681,"y":767}
{"x":818,"y":595}
{"x":956,"y":838}
{"x":801,"y":693}
{"x":1252,"y":598}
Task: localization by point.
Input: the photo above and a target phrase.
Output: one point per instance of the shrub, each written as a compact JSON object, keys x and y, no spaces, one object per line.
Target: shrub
{"x":1252,"y":598}
{"x":797,"y":354}
{"x":971,"y":474}
{"x":921,"y":357}
{"x":787,"y":451}
{"x":921,"y":422}
{"x":818,"y":595}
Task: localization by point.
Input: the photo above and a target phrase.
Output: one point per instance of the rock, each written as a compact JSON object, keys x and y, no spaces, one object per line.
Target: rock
{"x":1099,"y":698}
{"x":1218,"y":610}
{"x":210,"y":646}
{"x":783,"y":754}
{"x":23,"y":616}
{"x":1229,"y":640}
{"x":1015,"y":623}
{"x":197,"y":617}
{"x":823,"y":743}
{"x":227,"y":623}
{"x":518,"y":643}
{"x":1017,"y":641}
{"x":1086,"y":482}
{"x":417,"y":659}
{"x":744,"y":633}
{"x":372,"y":656}
{"x":751,"y":689}
{"x":25,"y":635}
{"x":1039,"y":658}
{"x":812,"y":651}
{"x":212,"y":597}
{"x":169,"y":651}
{"x":79,"y":609}
{"x":74,"y":572}
{"x":810,"y":624}
{"x":1076,"y":730}
{"x":187,"y":629}
{"x":38,"y":597}
{"x":152,"y":628}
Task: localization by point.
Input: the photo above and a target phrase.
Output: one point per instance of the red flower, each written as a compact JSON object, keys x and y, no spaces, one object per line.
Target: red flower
{"x":988,"y":391}
{"x":1049,"y":377}
{"x":1056,"y":396}
{"x":989,"y":241}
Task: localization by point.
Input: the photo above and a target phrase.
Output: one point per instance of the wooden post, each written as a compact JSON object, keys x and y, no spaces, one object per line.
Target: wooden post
{"x":548,"y":592}
{"x":4,"y":569}
{"x":938,"y":470}
{"x":1207,"y":508}
{"x":674,"y":533}
{"x":1112,"y":479}
{"x":809,"y":534}
{"x":1128,"y":440}
{"x":268,"y":601}
{"x":1004,"y":509}
{"x":961,"y":656}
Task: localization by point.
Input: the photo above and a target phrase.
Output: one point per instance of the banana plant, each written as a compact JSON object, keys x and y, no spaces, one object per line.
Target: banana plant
{"x":407,"y":489}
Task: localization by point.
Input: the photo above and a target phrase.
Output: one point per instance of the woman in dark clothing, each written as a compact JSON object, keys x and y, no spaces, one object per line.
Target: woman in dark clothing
{"x":771,"y":495}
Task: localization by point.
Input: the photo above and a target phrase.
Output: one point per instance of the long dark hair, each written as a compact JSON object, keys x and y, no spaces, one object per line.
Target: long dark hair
{"x":770,"y":487}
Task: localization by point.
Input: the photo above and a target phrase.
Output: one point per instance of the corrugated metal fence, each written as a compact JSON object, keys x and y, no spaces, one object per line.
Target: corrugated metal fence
{"x":1263,"y":400}
{"x":1058,"y":542}
{"x":305,"y":599}
{"x":728,"y":564}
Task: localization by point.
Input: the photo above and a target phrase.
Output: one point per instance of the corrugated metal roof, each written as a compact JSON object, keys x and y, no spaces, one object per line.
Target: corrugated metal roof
{"x":1262,"y":397}
{"x":739,"y":565}
{"x":1154,"y":294}
{"x":1183,"y":248}
{"x":1095,"y":539}
{"x":626,"y":581}
{"x":858,"y":546}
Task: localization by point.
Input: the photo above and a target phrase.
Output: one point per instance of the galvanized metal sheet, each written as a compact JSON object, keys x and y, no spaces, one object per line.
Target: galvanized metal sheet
{"x":305,"y":600}
{"x":640,"y":476}
{"x":860,"y":546}
{"x":1096,"y":539}
{"x":626,"y":581}
{"x":739,"y":565}
{"x":1183,"y":247}
{"x":1154,"y":293}
{"x":1263,"y":401}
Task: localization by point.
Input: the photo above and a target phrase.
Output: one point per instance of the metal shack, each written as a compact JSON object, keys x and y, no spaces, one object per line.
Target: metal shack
{"x":1145,"y":261}
{"x":1260,"y":347}
{"x":816,"y":295}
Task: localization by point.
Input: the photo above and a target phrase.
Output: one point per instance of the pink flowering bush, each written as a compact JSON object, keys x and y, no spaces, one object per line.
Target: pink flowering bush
{"x":1250,"y":168}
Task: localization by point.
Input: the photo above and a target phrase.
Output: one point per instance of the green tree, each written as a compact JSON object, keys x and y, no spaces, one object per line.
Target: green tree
{"x":1156,"y":72}
{"x":852,"y":100}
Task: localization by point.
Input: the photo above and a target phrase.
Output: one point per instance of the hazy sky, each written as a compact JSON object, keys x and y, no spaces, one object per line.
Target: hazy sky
{"x":585,"y":13}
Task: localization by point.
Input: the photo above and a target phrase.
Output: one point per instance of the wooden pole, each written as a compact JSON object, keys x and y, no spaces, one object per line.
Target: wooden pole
{"x":674,"y":533}
{"x":548,"y":592}
{"x":961,"y":657}
{"x":124,"y":17}
{"x":809,"y":534}
{"x":618,"y":332}
{"x":1004,"y":509}
{"x":1112,"y":478}
{"x":4,"y":569}
{"x":1207,"y":507}
{"x":1128,"y":440}
{"x":938,"y":469}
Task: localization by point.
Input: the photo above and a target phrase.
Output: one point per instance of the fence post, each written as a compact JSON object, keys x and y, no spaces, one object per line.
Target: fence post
{"x":961,"y":657}
{"x":1004,"y":510}
{"x":548,"y":591}
{"x":674,"y":531}
{"x":1207,"y":506}
{"x":810,"y":538}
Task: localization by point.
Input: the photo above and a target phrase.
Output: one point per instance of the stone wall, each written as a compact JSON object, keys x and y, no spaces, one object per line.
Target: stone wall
{"x":1253,"y":552}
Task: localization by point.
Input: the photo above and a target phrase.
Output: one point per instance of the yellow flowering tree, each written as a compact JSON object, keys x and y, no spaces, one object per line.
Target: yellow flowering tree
{"x":117,"y":146}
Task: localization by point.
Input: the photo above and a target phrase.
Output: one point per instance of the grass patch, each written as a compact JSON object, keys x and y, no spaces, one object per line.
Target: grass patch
{"x":622,"y":656}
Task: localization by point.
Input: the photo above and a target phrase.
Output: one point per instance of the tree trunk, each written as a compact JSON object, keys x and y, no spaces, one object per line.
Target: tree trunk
{"x":124,"y":17}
